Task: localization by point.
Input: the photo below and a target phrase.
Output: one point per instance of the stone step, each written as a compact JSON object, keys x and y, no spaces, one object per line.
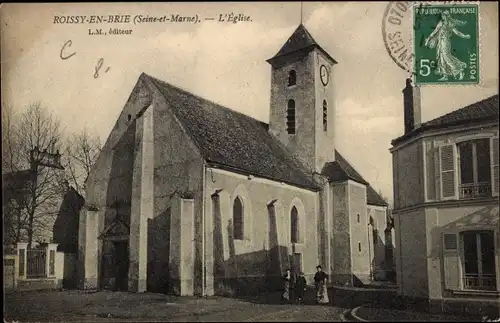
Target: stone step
{"x":37,"y":284}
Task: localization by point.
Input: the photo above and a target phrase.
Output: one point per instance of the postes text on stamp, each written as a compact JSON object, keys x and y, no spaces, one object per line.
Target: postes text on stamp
{"x":446,"y":44}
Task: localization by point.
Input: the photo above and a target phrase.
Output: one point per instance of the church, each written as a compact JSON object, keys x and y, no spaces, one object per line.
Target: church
{"x":193,"y":198}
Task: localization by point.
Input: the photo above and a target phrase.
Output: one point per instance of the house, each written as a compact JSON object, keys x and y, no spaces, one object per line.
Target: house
{"x":446,"y":211}
{"x":194,"y":198}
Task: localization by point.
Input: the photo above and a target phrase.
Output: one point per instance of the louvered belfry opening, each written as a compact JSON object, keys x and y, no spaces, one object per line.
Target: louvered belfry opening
{"x":325,"y":115}
{"x":290,"y":117}
{"x":292,"y":78}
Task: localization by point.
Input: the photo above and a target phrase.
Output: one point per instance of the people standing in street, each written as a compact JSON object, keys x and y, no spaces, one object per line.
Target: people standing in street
{"x":287,"y":278}
{"x":320,"y":280}
{"x":300,"y":288}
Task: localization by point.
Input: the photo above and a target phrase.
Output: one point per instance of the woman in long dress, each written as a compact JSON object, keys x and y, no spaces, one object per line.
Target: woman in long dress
{"x":440,"y":38}
{"x":286,"y":286}
{"x":320,"y":279}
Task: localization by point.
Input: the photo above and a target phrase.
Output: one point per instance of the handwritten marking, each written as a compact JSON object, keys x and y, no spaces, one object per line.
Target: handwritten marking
{"x":68,"y":43}
{"x":98,"y":67}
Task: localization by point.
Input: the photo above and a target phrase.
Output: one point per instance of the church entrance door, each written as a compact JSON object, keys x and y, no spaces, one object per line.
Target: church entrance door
{"x":122,"y":264}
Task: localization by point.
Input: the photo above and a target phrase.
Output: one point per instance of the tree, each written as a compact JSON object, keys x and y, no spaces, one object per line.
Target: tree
{"x":31,"y":210}
{"x":10,"y":157}
{"x":80,"y":154}
{"x":34,"y":128}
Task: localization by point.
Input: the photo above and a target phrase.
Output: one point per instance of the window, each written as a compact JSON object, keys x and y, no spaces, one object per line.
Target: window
{"x":238,"y":220}
{"x":375,"y":237}
{"x":359,"y":246}
{"x":290,"y":117}
{"x":294,"y":217}
{"x":478,"y":259}
{"x":325,"y":115}
{"x":475,"y":171}
{"x":450,"y":242}
{"x":468,"y":169}
{"x":358,"y":218}
{"x":292,"y":78}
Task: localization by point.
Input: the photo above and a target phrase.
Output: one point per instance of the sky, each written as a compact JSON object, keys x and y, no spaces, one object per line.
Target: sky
{"x":225,"y":63}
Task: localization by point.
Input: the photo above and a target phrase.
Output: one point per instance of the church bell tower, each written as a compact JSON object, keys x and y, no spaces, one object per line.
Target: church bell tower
{"x":302,"y":113}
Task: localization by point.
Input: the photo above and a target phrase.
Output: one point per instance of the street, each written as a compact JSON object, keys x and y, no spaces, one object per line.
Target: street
{"x":107,"y":306}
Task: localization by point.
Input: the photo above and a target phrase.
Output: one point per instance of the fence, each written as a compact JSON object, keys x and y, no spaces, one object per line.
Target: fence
{"x":36,"y":262}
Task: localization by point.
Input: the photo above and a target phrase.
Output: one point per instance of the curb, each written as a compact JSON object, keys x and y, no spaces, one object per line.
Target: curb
{"x":355,"y":316}
{"x":343,"y":316}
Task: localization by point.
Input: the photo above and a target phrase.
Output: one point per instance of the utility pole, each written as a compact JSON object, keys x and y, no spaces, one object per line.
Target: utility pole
{"x":39,"y":158}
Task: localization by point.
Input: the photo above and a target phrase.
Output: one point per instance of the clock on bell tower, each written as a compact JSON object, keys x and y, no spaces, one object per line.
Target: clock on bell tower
{"x":302,"y":113}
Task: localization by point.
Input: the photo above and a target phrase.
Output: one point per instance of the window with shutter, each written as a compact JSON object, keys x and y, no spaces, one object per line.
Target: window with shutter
{"x":437,"y":171}
{"x":494,"y":165}
{"x":447,"y":171}
{"x":451,"y":262}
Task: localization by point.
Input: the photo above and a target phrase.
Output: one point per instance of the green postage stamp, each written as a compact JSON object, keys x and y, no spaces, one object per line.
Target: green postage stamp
{"x":446,"y":44}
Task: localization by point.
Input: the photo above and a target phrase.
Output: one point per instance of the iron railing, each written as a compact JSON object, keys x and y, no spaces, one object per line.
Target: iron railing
{"x":471,"y":190}
{"x":36,"y":263}
{"x":480,"y":282}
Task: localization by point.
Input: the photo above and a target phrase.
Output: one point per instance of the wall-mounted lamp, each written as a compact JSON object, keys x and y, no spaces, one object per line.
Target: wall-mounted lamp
{"x":250,"y":176}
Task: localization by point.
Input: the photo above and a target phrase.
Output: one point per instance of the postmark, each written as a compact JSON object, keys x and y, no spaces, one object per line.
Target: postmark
{"x":446,"y":44}
{"x":397,"y":33}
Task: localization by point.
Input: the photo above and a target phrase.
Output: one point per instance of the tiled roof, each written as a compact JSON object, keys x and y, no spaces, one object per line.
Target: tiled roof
{"x":484,"y":110}
{"x":340,"y":170}
{"x":373,"y":198}
{"x":233,"y":140}
{"x":300,"y":39}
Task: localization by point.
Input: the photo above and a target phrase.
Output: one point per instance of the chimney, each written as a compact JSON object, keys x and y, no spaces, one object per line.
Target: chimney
{"x":412,"y":107}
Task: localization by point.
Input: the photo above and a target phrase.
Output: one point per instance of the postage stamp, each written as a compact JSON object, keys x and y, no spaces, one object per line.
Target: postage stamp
{"x":446,"y":44}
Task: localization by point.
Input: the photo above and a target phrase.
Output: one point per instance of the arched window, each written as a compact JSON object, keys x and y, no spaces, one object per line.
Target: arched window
{"x":292,"y":78}
{"x":238,"y":219}
{"x":294,"y":221}
{"x":375,"y":236}
{"x":290,"y":117}
{"x":325,"y":115}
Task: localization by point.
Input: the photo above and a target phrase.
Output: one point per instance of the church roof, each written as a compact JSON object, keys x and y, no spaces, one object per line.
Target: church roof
{"x":484,"y":110}
{"x":232,"y":140}
{"x":301,"y":39}
{"x":340,"y":170}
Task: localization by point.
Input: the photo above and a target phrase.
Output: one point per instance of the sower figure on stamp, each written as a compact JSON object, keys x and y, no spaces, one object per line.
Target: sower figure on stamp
{"x":320,"y":279}
{"x":440,"y":38}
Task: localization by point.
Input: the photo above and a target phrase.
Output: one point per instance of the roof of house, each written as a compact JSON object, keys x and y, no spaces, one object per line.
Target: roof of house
{"x":487,"y":216}
{"x":340,"y":170}
{"x":301,"y":39}
{"x":233,"y":140}
{"x":19,"y":180}
{"x":484,"y":110}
